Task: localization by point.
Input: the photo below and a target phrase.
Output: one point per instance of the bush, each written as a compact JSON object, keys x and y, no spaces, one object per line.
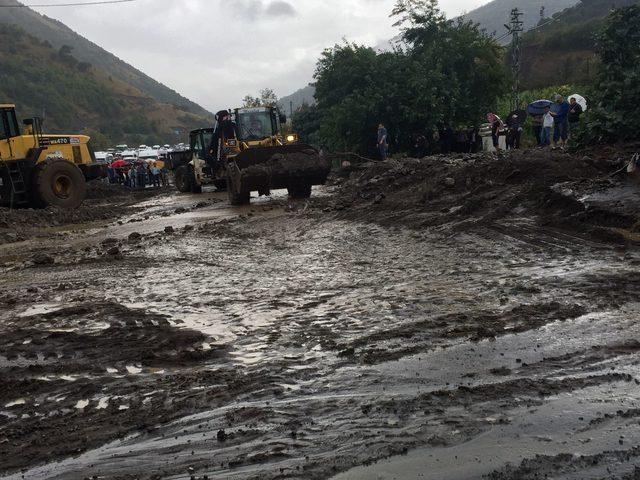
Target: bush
{"x":615,"y":115}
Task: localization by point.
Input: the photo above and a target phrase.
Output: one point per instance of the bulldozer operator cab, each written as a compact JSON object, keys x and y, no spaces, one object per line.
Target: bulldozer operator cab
{"x":203,"y":144}
{"x":255,"y":124}
{"x":8,"y":122}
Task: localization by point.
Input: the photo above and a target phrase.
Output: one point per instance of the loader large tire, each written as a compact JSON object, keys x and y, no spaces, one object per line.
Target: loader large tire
{"x":300,"y":191}
{"x":183,"y":179}
{"x":58,"y":183}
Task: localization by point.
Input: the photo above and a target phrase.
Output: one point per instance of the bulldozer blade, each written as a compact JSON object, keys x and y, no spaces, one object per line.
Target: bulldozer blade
{"x":286,"y":166}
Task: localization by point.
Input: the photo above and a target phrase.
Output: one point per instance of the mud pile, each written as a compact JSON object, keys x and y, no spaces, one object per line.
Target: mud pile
{"x":468,"y":191}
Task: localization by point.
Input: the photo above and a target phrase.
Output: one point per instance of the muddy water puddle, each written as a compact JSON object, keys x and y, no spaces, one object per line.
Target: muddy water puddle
{"x":318,"y":345}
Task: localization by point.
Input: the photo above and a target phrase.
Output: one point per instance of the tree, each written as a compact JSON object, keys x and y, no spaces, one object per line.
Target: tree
{"x":443,"y":71}
{"x":614,"y":114}
{"x":267,"y":98}
{"x":306,"y":122}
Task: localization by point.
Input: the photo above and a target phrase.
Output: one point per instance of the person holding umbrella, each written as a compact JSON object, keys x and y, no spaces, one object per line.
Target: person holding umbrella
{"x":537,"y":110}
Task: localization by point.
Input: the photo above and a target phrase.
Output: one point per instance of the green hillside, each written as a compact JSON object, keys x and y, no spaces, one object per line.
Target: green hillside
{"x":563,"y":51}
{"x":495,"y":14}
{"x":76,"y":97}
{"x":58,"y":35}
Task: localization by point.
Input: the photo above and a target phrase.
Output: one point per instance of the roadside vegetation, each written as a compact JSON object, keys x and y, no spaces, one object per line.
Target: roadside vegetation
{"x":451,"y":72}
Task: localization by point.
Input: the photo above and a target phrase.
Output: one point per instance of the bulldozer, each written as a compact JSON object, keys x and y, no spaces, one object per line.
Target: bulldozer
{"x":248,"y":150}
{"x":41,"y":170}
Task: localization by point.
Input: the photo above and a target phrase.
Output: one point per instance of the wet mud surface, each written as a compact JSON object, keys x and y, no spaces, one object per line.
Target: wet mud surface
{"x":350,"y":336}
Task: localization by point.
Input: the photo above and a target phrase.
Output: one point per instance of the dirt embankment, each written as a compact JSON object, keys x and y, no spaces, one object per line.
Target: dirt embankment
{"x":467,"y":191}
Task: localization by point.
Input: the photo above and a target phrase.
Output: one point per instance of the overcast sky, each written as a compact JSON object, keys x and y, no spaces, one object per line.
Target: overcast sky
{"x":217,"y":51}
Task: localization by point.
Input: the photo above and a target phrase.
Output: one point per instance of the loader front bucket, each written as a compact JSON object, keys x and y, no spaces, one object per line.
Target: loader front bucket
{"x":294,"y":167}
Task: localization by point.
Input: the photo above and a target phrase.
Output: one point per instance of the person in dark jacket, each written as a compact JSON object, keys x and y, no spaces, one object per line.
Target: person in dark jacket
{"x":575,"y":110}
{"x":536,"y":124}
{"x":514,"y":132}
{"x":141,"y":173}
{"x":560,"y":112}
{"x":496,"y":126}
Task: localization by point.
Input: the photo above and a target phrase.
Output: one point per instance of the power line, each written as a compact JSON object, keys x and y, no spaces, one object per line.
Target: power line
{"x":532,"y":29}
{"x":72,"y":4}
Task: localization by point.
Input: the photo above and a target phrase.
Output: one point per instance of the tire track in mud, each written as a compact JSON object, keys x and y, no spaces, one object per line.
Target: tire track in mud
{"x":302,"y":316}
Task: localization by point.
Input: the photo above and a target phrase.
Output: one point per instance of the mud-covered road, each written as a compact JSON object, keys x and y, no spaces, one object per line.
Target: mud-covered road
{"x":180,"y":338}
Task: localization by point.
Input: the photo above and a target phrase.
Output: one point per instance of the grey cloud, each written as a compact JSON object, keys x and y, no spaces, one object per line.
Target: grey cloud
{"x":242,"y":47}
{"x":281,"y":9}
{"x":254,"y":9}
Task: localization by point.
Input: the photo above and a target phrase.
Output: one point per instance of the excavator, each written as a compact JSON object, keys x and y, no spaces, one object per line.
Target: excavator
{"x":41,"y":170}
{"x":247,"y":150}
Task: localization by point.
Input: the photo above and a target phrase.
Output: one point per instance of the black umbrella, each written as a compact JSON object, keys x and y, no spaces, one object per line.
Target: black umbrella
{"x":538,"y":107}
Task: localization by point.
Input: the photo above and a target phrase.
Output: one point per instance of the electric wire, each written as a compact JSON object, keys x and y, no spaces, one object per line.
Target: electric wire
{"x":70,"y":4}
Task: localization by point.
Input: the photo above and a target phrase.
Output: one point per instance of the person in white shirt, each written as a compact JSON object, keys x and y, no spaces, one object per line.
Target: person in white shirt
{"x":547,"y":127}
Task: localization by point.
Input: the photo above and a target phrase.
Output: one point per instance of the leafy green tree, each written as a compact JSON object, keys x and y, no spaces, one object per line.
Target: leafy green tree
{"x":306,"y":122}
{"x":267,"y":98}
{"x":615,"y":115}
{"x":443,"y":71}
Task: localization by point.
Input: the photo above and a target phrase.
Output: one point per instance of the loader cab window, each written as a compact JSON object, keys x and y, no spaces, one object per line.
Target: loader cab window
{"x":197,"y":145}
{"x":255,"y":124}
{"x":207,"y":139}
{"x":201,"y":142}
{"x":8,"y":124}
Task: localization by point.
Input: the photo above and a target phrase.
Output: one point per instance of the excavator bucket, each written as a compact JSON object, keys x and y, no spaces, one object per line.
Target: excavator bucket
{"x":295,"y":167}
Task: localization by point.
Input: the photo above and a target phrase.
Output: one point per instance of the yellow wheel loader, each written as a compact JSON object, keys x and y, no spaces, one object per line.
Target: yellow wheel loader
{"x":247,"y":150}
{"x":41,"y":170}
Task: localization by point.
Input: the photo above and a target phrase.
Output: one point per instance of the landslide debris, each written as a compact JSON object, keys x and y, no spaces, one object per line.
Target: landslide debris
{"x":104,"y":202}
{"x":468,"y":191}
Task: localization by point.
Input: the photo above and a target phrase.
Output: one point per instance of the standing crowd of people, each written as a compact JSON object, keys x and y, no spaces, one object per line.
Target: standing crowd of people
{"x":552,"y":127}
{"x":139,"y":175}
{"x":556,"y":124}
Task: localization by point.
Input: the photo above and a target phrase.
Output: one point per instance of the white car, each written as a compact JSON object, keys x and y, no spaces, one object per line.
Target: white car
{"x":103,"y":158}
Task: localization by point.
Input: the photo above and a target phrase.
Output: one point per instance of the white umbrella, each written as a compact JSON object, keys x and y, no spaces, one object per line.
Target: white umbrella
{"x":580,"y":100}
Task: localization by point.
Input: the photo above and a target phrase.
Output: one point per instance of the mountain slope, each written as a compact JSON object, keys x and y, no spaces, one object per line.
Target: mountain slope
{"x":75,"y":97}
{"x":58,"y":35}
{"x":564,"y":50}
{"x":297,"y":99}
{"x":495,"y":14}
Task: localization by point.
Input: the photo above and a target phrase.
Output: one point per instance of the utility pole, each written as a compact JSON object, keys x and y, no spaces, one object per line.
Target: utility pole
{"x":543,"y":9}
{"x":515,"y":27}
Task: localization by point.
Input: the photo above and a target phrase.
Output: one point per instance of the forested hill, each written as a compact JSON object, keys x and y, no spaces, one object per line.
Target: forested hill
{"x":58,"y":35}
{"x":495,"y":14}
{"x":562,"y":50}
{"x":76,"y":97}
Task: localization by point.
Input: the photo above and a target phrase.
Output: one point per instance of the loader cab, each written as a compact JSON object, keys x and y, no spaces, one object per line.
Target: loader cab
{"x":256,"y":124}
{"x":200,"y":142}
{"x":8,"y":122}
